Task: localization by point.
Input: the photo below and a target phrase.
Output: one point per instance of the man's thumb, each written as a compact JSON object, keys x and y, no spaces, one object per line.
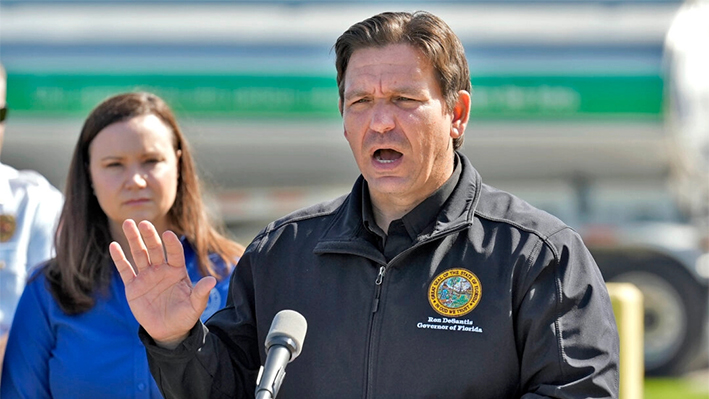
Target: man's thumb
{"x":200,"y":293}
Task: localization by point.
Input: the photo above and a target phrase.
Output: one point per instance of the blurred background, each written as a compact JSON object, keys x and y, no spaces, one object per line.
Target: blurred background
{"x":596,"y":111}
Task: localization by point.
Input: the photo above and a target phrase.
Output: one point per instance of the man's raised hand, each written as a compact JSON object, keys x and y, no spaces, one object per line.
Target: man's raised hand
{"x":159,"y":291}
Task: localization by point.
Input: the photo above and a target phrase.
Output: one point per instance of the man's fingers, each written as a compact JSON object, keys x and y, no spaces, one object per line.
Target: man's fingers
{"x":137,"y":247}
{"x":173,"y":248}
{"x":152,"y":241}
{"x":119,"y":259}
{"x":200,"y":293}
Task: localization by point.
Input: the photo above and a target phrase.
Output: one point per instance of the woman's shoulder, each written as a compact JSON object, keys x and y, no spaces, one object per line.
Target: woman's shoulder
{"x":36,"y":293}
{"x":218,"y":263}
{"x":37,"y":277}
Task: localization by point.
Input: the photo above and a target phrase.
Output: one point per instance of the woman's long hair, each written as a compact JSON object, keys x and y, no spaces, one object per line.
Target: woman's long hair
{"x":83,"y":265}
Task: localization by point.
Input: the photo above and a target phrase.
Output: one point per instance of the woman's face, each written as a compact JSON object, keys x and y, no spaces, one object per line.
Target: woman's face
{"x":134,"y":171}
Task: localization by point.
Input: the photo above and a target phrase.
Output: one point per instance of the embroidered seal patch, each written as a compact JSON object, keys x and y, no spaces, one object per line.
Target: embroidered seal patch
{"x":455,"y":292}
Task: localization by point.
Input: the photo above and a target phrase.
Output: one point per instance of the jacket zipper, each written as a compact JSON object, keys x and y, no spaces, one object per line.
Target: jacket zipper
{"x":375,"y":307}
{"x":370,"y":349}
{"x":378,"y":288}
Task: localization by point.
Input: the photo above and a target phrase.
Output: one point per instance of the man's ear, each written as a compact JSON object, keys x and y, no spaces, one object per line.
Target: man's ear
{"x":461,"y":114}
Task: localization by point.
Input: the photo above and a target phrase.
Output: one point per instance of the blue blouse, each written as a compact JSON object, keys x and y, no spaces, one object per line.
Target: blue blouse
{"x":96,"y":354}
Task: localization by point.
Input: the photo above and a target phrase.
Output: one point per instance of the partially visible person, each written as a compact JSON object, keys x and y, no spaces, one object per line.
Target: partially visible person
{"x":29,"y":209}
{"x":131,"y":162}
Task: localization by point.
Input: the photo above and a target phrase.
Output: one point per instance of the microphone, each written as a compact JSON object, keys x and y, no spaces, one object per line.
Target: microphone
{"x":283,"y":344}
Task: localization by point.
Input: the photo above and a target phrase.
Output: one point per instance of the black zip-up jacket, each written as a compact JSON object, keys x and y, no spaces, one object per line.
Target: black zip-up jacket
{"x":496,"y":300}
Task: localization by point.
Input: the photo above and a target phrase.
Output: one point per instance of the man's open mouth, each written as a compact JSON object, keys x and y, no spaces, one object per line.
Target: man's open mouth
{"x":387,"y":155}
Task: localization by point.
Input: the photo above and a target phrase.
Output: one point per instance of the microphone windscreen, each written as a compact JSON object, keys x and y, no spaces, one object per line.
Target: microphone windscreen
{"x":290,"y":325}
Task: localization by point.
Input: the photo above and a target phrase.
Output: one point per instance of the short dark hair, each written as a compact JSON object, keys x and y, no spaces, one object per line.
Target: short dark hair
{"x":422,"y":30}
{"x":83,"y":264}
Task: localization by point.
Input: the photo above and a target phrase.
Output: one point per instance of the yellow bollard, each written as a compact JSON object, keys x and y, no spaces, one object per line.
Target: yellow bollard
{"x":628,"y":308}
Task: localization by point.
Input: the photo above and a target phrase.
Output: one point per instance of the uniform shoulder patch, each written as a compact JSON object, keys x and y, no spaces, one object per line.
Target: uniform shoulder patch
{"x":455,"y":292}
{"x":8,"y":224}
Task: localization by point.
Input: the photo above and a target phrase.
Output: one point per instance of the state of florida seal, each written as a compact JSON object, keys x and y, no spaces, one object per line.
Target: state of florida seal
{"x":455,"y":292}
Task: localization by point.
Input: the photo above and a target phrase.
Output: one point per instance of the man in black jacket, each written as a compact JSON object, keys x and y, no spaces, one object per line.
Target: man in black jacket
{"x":422,"y":282}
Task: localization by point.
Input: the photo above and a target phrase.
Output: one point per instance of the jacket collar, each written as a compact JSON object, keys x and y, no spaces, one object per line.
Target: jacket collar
{"x":346,"y":233}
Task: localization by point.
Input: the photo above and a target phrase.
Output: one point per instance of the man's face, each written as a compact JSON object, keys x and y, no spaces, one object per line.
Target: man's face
{"x":396,"y":123}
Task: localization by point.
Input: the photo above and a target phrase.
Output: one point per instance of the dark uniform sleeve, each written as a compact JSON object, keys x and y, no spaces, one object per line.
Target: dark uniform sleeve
{"x":219,"y":359}
{"x":566,"y":332}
